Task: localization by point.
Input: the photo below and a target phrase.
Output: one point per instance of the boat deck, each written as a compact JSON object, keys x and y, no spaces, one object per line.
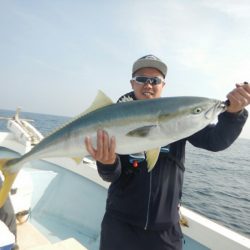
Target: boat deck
{"x":69,"y":201}
{"x":29,"y":238}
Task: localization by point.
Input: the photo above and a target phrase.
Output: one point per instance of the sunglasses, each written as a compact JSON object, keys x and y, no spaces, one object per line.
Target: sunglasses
{"x":145,"y":79}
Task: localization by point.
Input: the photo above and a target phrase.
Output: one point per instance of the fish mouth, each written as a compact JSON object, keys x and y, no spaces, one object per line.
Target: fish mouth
{"x":216,"y":109}
{"x":224,"y":105}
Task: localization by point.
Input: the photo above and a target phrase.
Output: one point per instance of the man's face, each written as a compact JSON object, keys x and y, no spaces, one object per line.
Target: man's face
{"x":147,"y":90}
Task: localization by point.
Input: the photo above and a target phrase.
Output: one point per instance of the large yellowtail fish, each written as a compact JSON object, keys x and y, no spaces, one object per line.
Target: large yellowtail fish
{"x":143,"y":125}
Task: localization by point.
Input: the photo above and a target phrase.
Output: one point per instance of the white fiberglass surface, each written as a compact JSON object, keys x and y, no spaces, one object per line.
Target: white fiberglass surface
{"x":66,"y":205}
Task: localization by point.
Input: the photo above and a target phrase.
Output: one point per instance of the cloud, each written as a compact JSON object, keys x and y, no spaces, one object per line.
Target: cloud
{"x":236,"y":9}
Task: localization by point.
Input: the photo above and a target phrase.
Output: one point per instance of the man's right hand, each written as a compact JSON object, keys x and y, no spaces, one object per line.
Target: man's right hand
{"x":105,"y":149}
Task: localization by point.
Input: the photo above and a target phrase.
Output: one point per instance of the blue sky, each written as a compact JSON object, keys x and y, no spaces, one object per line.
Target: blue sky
{"x":55,"y":55}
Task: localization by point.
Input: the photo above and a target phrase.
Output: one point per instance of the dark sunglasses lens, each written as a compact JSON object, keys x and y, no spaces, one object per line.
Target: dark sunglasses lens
{"x":155,"y":80}
{"x":151,"y":80}
{"x":141,"y":79}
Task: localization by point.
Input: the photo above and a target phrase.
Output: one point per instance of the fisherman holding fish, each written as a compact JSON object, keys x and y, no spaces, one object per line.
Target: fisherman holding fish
{"x":139,"y":147}
{"x":142,"y":206}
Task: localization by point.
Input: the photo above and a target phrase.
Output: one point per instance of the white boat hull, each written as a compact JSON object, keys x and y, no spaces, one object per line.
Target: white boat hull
{"x":72,"y":198}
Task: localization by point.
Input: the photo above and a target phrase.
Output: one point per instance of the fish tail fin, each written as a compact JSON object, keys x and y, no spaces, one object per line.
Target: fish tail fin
{"x":9,"y":178}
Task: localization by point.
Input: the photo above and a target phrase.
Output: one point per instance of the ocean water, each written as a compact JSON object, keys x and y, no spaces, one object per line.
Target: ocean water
{"x":216,"y":185}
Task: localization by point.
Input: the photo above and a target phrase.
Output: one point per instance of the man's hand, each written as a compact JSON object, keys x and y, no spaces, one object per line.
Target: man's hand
{"x":105,"y":149}
{"x":239,"y":97}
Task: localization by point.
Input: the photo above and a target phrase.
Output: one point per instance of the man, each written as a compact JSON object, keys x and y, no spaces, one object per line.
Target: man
{"x":142,"y":208}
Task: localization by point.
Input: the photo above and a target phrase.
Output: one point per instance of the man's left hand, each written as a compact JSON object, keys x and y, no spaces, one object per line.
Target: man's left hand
{"x":239,"y":97}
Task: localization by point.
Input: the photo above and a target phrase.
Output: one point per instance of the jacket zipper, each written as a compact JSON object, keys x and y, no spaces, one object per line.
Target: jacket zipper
{"x":149,"y":196}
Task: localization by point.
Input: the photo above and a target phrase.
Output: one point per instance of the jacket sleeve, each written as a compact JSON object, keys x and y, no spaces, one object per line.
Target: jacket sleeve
{"x":216,"y":137}
{"x":109,"y":173}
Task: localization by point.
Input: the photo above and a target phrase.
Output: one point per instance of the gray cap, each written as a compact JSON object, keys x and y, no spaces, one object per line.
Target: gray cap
{"x":150,"y":61}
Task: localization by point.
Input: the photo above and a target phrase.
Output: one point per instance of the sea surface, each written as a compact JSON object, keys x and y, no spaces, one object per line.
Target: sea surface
{"x":216,"y":185}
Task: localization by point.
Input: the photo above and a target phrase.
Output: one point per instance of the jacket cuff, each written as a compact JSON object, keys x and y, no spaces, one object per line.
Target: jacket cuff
{"x":109,"y":172}
{"x":240,"y":116}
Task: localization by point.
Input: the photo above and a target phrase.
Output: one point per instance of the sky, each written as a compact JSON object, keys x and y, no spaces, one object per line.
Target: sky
{"x":55,"y":55}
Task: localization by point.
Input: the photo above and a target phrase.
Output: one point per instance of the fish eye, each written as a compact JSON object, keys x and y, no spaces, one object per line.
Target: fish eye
{"x":197,"y":110}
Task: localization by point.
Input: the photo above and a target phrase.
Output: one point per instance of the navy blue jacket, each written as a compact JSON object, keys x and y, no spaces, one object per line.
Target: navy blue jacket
{"x":150,"y":200}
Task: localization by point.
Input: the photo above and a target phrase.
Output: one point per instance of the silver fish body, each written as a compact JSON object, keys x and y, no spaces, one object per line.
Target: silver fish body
{"x":138,"y":126}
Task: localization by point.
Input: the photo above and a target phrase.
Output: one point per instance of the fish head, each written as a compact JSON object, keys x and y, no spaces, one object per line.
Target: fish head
{"x":187,"y":115}
{"x":214,"y":108}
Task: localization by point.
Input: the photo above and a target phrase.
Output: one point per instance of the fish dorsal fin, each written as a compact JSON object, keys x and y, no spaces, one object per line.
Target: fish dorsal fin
{"x":101,"y":100}
{"x":152,"y":157}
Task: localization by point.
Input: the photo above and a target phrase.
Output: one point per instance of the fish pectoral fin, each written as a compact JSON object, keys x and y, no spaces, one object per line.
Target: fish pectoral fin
{"x":142,"y":131}
{"x":101,"y":100}
{"x":152,"y":157}
{"x":77,"y":160}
